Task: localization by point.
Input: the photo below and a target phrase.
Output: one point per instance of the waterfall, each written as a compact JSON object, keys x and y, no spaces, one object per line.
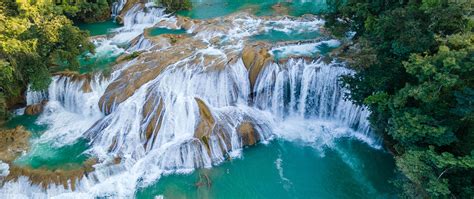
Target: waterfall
{"x":72,"y":108}
{"x":136,"y":20}
{"x":171,"y":98}
{"x":308,"y":89}
{"x":35,"y":97}
{"x":117,"y":7}
{"x":196,"y":111}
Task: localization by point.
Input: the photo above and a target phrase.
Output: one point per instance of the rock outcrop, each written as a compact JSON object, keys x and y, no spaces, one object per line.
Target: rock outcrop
{"x":35,"y":109}
{"x":255,"y":58}
{"x":13,"y":142}
{"x":210,"y":130}
{"x":45,"y":177}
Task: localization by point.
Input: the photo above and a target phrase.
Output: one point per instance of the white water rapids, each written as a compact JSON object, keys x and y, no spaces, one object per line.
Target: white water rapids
{"x":295,"y":96}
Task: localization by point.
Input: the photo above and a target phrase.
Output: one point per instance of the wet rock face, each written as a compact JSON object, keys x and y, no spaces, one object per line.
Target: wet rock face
{"x":13,"y":142}
{"x":255,"y":58}
{"x":185,"y":23}
{"x":208,"y":129}
{"x":248,"y":133}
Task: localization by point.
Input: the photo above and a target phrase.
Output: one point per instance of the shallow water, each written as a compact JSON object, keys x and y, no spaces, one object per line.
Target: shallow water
{"x":93,"y":63}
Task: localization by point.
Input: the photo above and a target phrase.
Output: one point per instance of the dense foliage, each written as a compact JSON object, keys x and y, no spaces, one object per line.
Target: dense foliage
{"x":415,"y":72}
{"x":35,"y":40}
{"x":86,"y":10}
{"x":175,"y":5}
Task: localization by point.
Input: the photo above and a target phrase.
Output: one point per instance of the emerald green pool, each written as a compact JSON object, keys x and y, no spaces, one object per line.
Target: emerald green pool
{"x":283,"y":169}
{"x":99,"y":28}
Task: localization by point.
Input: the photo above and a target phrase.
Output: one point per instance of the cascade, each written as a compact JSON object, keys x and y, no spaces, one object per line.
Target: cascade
{"x":135,"y":21}
{"x":35,"y":97}
{"x":117,"y":7}
{"x":191,"y":105}
{"x":308,"y":89}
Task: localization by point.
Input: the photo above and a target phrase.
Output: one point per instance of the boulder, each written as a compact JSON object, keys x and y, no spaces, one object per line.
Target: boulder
{"x":248,"y":133}
{"x":35,"y":109}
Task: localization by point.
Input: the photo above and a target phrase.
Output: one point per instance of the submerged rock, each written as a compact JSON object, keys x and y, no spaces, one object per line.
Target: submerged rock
{"x":280,"y":9}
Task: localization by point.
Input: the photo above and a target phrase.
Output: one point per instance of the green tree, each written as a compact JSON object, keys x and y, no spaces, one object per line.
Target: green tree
{"x":415,"y":72}
{"x":35,"y":40}
{"x":175,"y":5}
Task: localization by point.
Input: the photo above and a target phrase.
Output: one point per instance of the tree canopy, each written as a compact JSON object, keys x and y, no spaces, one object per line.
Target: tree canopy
{"x":35,"y":40}
{"x":415,"y":72}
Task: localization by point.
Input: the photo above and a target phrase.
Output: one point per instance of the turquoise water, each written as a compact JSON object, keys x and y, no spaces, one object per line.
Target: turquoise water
{"x":29,"y":122}
{"x":159,"y":31}
{"x":100,"y":28}
{"x":285,"y":169}
{"x":45,"y":155}
{"x":215,"y":8}
{"x":91,"y":63}
{"x":88,"y":62}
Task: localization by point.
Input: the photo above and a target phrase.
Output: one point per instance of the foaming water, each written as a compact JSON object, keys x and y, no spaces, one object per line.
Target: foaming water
{"x":190,"y":115}
{"x":309,"y":90}
{"x":173,"y":147}
{"x":135,"y":21}
{"x":70,"y":111}
{"x":117,"y":6}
